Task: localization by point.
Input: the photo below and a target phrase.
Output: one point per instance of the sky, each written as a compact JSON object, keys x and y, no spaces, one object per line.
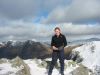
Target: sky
{"x":36,"y":19}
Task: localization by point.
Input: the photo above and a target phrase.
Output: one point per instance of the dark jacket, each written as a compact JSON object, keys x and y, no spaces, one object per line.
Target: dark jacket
{"x":58,"y":41}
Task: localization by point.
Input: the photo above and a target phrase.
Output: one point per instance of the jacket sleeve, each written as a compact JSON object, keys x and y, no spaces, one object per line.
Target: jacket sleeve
{"x":65,"y":41}
{"x":52,"y":41}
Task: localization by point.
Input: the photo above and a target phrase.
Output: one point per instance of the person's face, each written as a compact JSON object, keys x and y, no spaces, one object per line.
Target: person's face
{"x":57,"y":32}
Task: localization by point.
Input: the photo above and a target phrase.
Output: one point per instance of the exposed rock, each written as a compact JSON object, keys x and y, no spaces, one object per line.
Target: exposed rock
{"x":24,"y":68}
{"x":81,"y":70}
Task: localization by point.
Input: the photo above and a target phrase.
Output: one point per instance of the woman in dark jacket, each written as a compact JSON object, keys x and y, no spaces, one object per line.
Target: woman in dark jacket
{"x":58,"y":43}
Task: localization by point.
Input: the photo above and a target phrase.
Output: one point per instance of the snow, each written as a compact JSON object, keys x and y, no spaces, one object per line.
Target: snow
{"x":34,"y":40}
{"x":35,"y":70}
{"x":90,"y":53}
{"x":6,"y":68}
{"x":2,"y":44}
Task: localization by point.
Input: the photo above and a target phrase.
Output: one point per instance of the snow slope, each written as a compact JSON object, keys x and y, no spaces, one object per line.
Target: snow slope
{"x":90,"y":53}
{"x":36,"y":70}
{"x":6,"y":67}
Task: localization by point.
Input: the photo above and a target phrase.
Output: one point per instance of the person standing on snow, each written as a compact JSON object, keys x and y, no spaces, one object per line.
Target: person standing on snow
{"x":58,"y":43}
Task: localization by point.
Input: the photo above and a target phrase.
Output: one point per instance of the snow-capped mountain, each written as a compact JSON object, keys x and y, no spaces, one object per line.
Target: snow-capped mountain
{"x":90,"y":53}
{"x":24,"y":49}
{"x":87,"y":53}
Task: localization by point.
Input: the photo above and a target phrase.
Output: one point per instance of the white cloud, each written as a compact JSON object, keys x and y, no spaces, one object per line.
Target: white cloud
{"x":80,"y":29}
{"x":19,"y":30}
{"x":77,"y":11}
{"x":15,"y":18}
{"x":19,"y":9}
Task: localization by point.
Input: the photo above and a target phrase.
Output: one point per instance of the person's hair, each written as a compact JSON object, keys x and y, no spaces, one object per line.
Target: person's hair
{"x":57,"y":28}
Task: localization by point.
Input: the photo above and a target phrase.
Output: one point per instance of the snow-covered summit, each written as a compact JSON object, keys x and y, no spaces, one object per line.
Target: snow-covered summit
{"x":90,"y":52}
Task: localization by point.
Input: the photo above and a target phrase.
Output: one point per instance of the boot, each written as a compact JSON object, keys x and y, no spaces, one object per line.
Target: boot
{"x":49,"y":74}
{"x":62,"y":73}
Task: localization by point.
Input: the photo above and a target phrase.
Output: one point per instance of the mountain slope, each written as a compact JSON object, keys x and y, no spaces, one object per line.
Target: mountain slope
{"x":90,"y":53}
{"x":89,"y":65}
{"x":26,"y":49}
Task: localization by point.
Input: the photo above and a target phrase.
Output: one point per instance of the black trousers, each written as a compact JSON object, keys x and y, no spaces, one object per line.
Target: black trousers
{"x":57,"y":55}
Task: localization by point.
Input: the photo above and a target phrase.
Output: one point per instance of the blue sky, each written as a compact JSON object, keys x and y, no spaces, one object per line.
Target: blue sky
{"x":36,"y":19}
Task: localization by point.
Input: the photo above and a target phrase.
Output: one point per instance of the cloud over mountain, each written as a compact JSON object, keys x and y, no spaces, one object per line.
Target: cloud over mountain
{"x":36,"y":19}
